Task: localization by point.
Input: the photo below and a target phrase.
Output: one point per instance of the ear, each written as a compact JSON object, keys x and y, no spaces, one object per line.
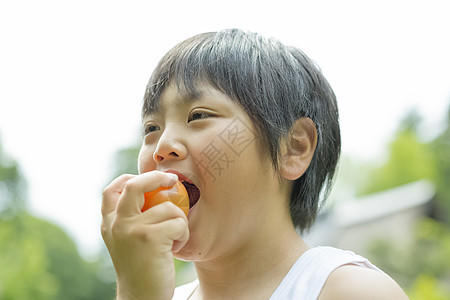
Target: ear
{"x":297,"y":149}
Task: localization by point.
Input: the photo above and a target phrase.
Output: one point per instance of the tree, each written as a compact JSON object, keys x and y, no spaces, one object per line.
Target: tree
{"x":441,"y":151}
{"x":422,"y":266}
{"x":408,"y":159}
{"x":12,"y":186}
{"x":38,"y":260}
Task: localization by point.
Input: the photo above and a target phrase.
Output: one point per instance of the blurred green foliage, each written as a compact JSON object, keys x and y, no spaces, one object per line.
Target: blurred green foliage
{"x":126,"y":161}
{"x":427,"y":287}
{"x":423,"y":266}
{"x":408,"y":159}
{"x":12,"y":186}
{"x":38,"y":260}
{"x":440,"y":148}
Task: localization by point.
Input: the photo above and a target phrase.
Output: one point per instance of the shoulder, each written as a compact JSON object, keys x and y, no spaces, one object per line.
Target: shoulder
{"x":354,"y":282}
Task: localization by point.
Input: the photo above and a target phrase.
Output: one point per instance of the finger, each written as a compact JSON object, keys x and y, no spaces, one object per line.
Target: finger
{"x":112,"y":193}
{"x":163,"y":211}
{"x":176,"y":230}
{"x":132,"y":198}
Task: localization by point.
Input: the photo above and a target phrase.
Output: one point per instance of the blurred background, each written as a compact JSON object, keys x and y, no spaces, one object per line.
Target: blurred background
{"x":72,"y":78}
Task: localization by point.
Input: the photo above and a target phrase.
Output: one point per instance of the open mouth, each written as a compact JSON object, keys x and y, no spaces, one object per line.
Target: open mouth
{"x":193,"y":192}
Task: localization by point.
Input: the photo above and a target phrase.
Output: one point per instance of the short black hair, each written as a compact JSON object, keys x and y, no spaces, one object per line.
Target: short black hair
{"x":276,"y":85}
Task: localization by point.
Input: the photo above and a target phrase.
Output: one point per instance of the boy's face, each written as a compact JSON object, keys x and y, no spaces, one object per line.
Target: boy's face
{"x":211,"y":142}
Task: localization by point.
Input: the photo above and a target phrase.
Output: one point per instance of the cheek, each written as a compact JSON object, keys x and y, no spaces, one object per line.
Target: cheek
{"x":145,"y":160}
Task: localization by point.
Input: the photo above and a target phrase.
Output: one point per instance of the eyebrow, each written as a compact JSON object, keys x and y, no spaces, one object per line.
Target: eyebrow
{"x":182,"y":98}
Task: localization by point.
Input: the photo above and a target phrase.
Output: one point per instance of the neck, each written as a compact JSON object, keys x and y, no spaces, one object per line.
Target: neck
{"x":255,"y":269}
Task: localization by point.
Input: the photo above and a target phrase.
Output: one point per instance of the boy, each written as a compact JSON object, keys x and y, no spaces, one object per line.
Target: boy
{"x":251,"y":128}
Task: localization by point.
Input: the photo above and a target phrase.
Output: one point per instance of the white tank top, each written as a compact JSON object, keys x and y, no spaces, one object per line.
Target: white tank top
{"x":307,"y":276}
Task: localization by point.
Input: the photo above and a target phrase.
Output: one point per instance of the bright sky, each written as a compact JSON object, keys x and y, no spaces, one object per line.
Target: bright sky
{"x":73,"y":73}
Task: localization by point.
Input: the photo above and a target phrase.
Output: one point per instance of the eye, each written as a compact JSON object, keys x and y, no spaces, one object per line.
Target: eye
{"x":149,"y":128}
{"x":199,"y":115}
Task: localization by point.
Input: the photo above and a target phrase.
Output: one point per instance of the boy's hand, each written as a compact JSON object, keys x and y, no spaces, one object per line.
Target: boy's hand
{"x":141,"y":244}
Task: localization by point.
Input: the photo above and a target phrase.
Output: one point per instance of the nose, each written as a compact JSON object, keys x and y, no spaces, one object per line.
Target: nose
{"x":169,"y":147}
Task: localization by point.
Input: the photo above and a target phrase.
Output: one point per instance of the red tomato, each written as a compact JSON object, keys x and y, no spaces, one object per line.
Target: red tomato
{"x":177,"y":194}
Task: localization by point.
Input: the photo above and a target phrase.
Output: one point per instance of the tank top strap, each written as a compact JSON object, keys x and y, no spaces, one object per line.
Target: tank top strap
{"x":307,"y":276}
